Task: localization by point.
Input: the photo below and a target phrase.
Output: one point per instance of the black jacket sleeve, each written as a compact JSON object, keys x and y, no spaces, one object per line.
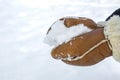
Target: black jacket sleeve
{"x":116,"y":12}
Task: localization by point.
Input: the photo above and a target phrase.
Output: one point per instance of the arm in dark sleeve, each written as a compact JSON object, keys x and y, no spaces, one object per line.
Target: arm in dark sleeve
{"x":116,"y":12}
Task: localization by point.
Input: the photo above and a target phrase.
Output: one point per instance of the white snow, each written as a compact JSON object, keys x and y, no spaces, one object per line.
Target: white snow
{"x":23,"y":26}
{"x":101,"y":23}
{"x":60,"y":34}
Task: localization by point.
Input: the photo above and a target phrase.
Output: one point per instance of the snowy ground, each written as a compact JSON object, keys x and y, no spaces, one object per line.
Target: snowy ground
{"x":23,"y":25}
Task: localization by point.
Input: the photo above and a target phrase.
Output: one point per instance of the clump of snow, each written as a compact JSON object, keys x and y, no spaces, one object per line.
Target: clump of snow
{"x":101,"y":24}
{"x":59,"y":33}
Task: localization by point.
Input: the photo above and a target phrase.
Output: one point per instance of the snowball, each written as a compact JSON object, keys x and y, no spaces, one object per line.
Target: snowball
{"x":59,"y":33}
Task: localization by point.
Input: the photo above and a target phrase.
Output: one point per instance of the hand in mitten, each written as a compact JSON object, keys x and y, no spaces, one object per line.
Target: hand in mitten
{"x":78,"y":41}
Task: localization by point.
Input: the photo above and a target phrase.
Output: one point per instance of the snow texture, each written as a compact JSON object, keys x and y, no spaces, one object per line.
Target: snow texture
{"x":60,"y":34}
{"x":23,"y":26}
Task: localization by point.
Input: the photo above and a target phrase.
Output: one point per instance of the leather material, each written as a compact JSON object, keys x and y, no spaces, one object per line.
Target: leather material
{"x":82,"y":43}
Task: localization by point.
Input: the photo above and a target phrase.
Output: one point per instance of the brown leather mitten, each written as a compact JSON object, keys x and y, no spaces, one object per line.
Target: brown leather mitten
{"x":84,"y":49}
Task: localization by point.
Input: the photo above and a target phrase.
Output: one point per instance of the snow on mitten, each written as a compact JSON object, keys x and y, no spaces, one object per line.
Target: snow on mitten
{"x":78,"y":41}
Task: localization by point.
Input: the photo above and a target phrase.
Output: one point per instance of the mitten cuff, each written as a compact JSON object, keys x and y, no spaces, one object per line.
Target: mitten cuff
{"x":112,"y":33}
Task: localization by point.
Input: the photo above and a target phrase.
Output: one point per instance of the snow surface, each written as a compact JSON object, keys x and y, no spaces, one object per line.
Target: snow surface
{"x":23,"y":25}
{"x":60,"y":34}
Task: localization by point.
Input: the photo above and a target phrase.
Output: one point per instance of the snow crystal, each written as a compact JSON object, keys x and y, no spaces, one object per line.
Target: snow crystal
{"x":60,"y":34}
{"x":81,"y":37}
{"x":70,"y":43}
